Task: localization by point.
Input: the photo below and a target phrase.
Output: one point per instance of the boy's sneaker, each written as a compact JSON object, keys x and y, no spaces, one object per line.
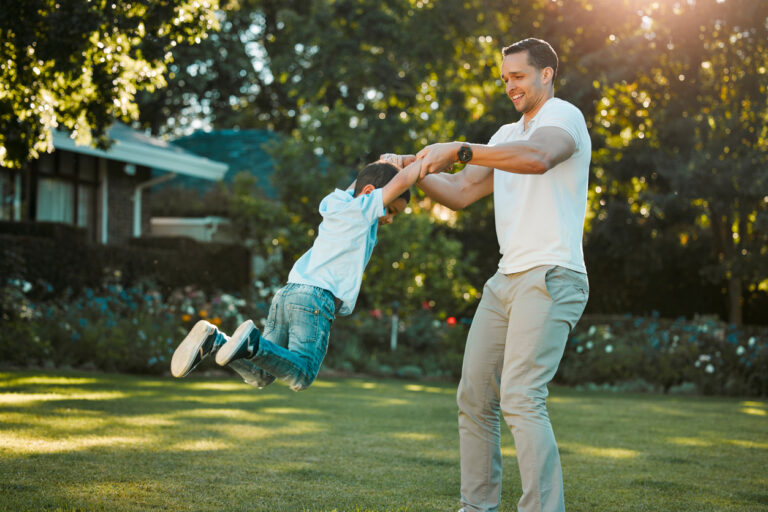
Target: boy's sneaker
{"x":203,"y":340}
{"x":243,"y":343}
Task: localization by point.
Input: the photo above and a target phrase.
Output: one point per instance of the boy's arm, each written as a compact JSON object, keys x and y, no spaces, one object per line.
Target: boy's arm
{"x":456,"y":191}
{"x":401,"y":182}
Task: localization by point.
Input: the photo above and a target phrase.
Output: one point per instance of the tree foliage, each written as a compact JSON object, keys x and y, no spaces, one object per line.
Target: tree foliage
{"x":674,"y":93}
{"x":686,"y":138}
{"x":79,"y":64}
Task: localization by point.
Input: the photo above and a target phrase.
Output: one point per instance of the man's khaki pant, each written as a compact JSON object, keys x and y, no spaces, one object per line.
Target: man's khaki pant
{"x":514,"y":346}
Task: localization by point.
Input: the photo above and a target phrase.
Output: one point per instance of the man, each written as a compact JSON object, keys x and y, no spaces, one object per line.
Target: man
{"x":537,"y":170}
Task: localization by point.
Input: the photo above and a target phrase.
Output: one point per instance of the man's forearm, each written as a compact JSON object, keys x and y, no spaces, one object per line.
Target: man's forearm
{"x":441,"y":187}
{"x":546,"y":148}
{"x":518,"y":157}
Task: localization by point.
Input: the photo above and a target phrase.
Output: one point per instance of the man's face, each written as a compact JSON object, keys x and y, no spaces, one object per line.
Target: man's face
{"x":393,"y":209}
{"x":524,"y":83}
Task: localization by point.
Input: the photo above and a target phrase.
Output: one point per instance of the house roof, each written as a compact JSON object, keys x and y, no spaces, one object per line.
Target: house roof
{"x":134,"y":147}
{"x":242,"y":150}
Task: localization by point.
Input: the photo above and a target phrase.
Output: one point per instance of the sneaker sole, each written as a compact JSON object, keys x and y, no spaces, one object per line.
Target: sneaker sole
{"x":227,"y":351}
{"x":184,"y":357}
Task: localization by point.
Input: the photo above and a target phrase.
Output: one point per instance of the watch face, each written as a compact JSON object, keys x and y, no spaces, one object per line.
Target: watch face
{"x":465,"y":154}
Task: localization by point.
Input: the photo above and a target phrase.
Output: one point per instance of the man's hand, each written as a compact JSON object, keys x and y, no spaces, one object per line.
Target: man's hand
{"x":438,"y":157}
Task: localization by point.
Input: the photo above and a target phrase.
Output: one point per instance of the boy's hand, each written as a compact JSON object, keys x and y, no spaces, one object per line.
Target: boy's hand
{"x":399,"y":161}
{"x":391,"y":158}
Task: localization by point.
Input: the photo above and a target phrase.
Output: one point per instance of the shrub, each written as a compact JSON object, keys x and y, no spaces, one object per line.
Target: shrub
{"x":115,"y":328}
{"x":718,"y":358}
{"x":362,"y":342}
{"x":67,"y":262}
{"x":136,"y":328}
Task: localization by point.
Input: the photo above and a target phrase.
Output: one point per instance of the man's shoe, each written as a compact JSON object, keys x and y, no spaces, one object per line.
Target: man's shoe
{"x":203,"y":340}
{"x":243,"y":343}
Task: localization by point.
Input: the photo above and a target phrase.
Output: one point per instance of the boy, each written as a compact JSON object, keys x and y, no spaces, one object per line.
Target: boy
{"x":323,"y":282}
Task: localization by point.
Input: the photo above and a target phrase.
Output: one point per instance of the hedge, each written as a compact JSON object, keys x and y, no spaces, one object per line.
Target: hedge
{"x":59,"y":256}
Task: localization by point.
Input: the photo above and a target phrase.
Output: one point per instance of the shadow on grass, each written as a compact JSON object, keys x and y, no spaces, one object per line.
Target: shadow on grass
{"x":112,"y":442}
{"x":127,"y":443}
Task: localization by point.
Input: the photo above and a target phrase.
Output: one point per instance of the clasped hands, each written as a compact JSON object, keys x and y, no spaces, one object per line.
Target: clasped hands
{"x":436,"y":158}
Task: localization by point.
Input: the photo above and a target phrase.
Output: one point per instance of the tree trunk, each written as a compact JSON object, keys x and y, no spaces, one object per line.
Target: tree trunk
{"x":734,"y":300}
{"x":724,"y":251}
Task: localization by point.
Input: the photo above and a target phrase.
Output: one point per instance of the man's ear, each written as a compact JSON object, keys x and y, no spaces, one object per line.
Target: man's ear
{"x":368,"y":189}
{"x":547,"y":74}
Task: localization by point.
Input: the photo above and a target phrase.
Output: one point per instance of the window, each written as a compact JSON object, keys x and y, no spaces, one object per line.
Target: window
{"x":85,"y":206}
{"x":55,"y":200}
{"x":66,"y":189}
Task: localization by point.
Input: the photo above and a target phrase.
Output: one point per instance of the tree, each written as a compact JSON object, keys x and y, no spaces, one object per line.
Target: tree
{"x":686,"y":133}
{"x":349,"y":79}
{"x":79,"y":64}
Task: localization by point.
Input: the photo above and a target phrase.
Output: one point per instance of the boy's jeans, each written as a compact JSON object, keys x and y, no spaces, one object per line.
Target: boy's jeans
{"x":295,"y":338}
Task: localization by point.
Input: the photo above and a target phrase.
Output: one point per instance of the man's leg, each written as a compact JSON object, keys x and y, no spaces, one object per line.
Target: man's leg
{"x":548,"y":301}
{"x":478,"y":401}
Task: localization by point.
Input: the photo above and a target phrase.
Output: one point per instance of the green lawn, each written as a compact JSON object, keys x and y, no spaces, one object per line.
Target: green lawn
{"x":88,"y":441}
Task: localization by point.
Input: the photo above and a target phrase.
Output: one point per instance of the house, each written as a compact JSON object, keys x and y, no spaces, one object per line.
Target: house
{"x":244,"y":152}
{"x":99,"y":190}
{"x":211,"y":228}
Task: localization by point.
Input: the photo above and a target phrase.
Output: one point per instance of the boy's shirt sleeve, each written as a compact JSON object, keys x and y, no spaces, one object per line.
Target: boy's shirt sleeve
{"x":371,"y":206}
{"x":341,"y":204}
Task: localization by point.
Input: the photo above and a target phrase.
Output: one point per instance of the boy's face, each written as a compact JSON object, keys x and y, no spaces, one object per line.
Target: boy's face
{"x":393,"y":209}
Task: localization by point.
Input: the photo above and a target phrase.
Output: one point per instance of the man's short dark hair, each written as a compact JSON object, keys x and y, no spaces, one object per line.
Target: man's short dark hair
{"x":378,"y":174}
{"x":540,"y":54}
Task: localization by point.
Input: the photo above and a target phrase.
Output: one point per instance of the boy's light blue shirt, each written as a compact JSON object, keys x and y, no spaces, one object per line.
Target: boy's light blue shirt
{"x":344,"y":243}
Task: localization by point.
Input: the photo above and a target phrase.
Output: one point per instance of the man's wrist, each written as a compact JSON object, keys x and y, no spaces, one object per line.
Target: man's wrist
{"x":464,"y":153}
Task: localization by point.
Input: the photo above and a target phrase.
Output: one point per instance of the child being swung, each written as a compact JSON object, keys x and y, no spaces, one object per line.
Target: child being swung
{"x":324,"y":282}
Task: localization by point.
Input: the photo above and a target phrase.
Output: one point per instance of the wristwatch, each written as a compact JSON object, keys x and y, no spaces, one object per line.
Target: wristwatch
{"x":465,"y":153}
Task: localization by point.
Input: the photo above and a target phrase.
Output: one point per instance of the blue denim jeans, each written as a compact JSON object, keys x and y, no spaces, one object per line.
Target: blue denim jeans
{"x":295,"y":338}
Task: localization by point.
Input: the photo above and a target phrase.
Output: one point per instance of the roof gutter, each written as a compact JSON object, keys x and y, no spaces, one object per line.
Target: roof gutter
{"x":148,"y":156}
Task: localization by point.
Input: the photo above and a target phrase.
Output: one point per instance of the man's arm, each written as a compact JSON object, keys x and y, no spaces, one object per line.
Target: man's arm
{"x":547,"y":147}
{"x":456,"y":191}
{"x":459,"y":190}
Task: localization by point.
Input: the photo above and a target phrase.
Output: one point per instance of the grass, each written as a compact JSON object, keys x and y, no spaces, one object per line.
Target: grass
{"x":89,"y":441}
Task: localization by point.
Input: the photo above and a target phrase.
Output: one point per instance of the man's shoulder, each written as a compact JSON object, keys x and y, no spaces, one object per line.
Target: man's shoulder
{"x":504,"y":131}
{"x":559,"y":105}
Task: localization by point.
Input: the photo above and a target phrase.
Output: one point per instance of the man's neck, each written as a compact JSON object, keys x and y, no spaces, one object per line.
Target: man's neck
{"x":530,"y":114}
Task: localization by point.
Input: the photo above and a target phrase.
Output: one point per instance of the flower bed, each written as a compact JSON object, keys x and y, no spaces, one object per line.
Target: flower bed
{"x":717,"y":357}
{"x":136,"y":329}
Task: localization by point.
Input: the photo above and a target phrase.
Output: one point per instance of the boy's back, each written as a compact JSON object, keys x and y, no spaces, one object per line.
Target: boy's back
{"x":345,"y":240}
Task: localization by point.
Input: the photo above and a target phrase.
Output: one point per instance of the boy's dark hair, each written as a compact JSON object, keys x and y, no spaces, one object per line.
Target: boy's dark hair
{"x":378,"y":174}
{"x":540,"y":54}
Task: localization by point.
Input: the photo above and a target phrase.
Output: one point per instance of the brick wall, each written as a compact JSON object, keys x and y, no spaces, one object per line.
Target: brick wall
{"x":120,"y":201}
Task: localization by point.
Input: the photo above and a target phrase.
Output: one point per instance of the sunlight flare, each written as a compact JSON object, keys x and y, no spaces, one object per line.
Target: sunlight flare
{"x":599,"y":451}
{"x":18,"y":444}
